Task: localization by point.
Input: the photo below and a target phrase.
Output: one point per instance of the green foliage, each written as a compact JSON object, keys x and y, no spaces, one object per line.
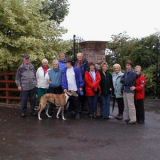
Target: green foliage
{"x":141,"y":51}
{"x":151,"y":79}
{"x":24,"y":29}
{"x":56,"y":9}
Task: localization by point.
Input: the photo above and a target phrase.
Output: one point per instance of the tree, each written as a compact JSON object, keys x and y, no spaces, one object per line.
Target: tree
{"x":142,"y":52}
{"x":56,"y":9}
{"x":24,"y":29}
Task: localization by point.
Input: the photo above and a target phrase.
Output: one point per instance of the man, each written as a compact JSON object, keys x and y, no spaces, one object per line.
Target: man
{"x":72,"y":81}
{"x":128,"y":81}
{"x":82,"y":63}
{"x":139,"y":89}
{"x":26,"y":82}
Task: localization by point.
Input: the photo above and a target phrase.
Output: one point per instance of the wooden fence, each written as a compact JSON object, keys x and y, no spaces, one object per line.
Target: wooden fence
{"x":9,"y":94}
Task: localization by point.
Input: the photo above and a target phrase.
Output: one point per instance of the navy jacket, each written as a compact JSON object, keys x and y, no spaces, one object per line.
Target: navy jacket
{"x":128,"y":80}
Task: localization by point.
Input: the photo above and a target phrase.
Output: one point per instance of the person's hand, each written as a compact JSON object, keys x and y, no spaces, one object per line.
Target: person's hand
{"x":80,"y":89}
{"x":65,"y":90}
{"x":19,"y":88}
{"x":49,"y":81}
{"x":110,"y":89}
{"x":132,"y":88}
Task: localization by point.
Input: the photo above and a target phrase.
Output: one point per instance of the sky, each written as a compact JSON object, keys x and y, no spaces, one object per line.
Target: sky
{"x":99,"y":19}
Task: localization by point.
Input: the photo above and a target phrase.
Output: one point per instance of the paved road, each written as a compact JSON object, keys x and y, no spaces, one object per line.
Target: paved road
{"x":51,"y":139}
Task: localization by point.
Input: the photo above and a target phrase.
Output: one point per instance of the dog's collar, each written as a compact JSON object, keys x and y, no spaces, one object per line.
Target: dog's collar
{"x":72,"y":93}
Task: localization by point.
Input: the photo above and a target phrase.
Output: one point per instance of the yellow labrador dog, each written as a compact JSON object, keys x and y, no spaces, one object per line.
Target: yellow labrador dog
{"x":60,"y":100}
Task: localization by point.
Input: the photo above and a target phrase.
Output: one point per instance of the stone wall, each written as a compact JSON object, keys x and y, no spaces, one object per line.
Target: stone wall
{"x":94,"y":50}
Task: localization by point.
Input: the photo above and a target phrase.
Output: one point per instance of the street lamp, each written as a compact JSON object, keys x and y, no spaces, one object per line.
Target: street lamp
{"x":74,"y":47}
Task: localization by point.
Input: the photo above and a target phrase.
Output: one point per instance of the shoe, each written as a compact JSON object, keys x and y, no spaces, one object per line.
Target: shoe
{"x":77,"y":116}
{"x":33,"y":113}
{"x":94,"y":116}
{"x":119,"y":117}
{"x":106,"y":118}
{"x":132,"y":122}
{"x":140,"y":122}
{"x":90,"y":116}
{"x":23,"y":115}
{"x":36,"y":108}
{"x":127,"y":121}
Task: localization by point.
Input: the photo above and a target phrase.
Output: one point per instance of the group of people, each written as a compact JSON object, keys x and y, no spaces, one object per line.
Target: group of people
{"x":93,"y":83}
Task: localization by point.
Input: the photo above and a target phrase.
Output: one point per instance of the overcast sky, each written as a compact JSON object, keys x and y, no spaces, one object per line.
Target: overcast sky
{"x":99,"y":19}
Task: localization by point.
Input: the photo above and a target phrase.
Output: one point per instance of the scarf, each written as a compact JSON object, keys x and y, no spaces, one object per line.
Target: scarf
{"x":45,"y":69}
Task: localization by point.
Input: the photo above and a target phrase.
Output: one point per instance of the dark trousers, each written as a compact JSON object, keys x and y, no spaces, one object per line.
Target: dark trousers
{"x":106,"y":106}
{"x":92,"y":103}
{"x":55,"y":90}
{"x":28,"y":95}
{"x":74,"y":104}
{"x":83,"y":103}
{"x":139,"y":104}
{"x":120,"y":103}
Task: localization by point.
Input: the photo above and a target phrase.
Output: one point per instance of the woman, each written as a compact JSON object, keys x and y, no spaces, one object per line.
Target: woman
{"x":139,"y":89}
{"x":107,"y":88}
{"x":42,"y":78}
{"x":92,"y":82}
{"x":117,"y":76}
{"x":55,"y":78}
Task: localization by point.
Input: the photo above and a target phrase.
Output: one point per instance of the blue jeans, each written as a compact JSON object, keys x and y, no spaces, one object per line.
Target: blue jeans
{"x":92,"y":102}
{"x":28,"y":95}
{"x":106,"y":106}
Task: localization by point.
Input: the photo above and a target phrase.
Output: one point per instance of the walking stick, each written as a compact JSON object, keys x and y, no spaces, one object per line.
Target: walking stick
{"x":114,"y":101}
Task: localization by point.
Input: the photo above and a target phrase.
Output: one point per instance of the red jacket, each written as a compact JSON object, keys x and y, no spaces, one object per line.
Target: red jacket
{"x":91,"y":85}
{"x":140,"y":87}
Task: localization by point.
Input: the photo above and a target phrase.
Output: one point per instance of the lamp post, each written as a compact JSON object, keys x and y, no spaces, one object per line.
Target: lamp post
{"x":74,"y":47}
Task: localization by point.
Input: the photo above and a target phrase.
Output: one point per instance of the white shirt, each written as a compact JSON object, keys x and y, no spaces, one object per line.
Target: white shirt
{"x":71,"y":79}
{"x":42,"y":80}
{"x":93,"y":75}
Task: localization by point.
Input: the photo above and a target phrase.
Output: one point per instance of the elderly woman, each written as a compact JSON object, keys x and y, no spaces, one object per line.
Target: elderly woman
{"x":139,"y":89}
{"x":117,"y":76}
{"x":92,"y":81}
{"x":42,"y":78}
{"x":55,"y":78}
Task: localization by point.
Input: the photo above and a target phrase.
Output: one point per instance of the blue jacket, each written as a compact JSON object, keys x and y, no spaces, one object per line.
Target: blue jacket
{"x":84,"y":67}
{"x":62,"y":65}
{"x":55,"y":76}
{"x":78,"y":76}
{"x":128,"y":80}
